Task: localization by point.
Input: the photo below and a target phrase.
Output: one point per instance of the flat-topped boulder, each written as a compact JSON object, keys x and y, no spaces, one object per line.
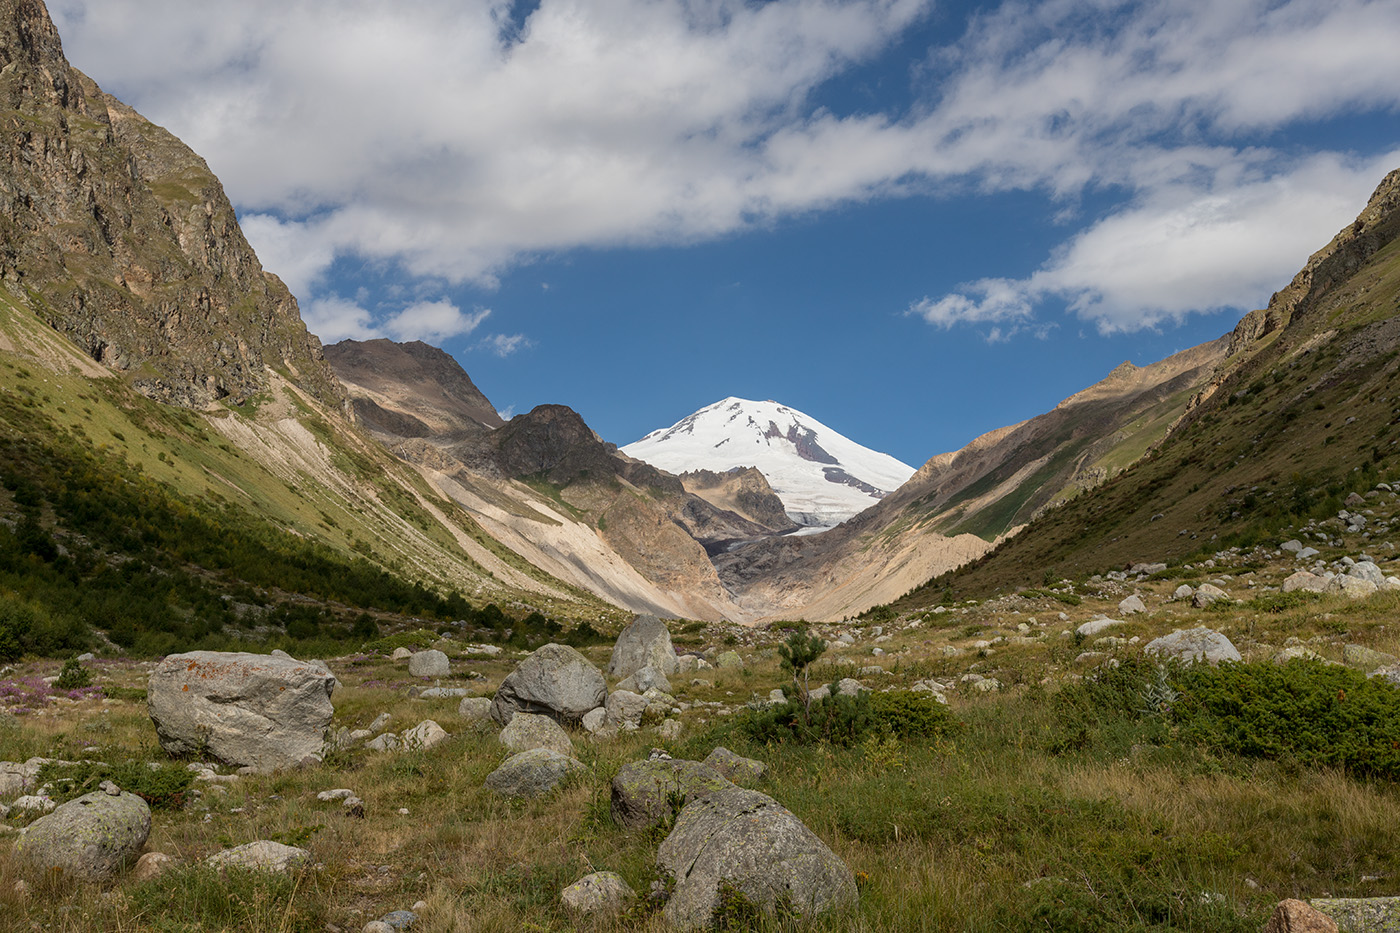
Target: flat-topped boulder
{"x":243,"y":709}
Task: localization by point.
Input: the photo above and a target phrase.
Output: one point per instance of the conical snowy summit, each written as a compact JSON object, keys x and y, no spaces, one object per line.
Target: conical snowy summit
{"x":821,"y":477}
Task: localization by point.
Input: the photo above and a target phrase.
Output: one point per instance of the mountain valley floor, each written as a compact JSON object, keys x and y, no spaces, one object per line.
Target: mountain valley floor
{"x":1074,"y":783}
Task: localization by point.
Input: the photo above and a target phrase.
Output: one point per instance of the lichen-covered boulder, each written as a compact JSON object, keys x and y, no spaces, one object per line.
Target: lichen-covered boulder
{"x":734,"y":767}
{"x":642,"y":791}
{"x":646,"y":642}
{"x":90,"y":838}
{"x":554,"y":681}
{"x":532,"y":773}
{"x":528,"y":730}
{"x":749,"y":842}
{"x":243,"y":709}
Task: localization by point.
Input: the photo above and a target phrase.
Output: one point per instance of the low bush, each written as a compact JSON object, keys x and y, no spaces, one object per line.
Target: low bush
{"x":163,"y":787}
{"x":1318,"y":714}
{"x":73,"y":676}
{"x":847,"y":721}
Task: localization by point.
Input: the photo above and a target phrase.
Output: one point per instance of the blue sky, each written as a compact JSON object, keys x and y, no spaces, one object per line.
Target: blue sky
{"x":916,"y":221}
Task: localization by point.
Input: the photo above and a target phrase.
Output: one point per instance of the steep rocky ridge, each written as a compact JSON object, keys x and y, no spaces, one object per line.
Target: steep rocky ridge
{"x":1305,"y":407}
{"x":118,"y":236}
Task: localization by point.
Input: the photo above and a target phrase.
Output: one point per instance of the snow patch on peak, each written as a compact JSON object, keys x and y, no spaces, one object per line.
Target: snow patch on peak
{"x":822,"y":477}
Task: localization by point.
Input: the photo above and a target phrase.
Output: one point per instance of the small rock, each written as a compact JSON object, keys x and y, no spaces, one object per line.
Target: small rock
{"x":1197,"y":644}
{"x":601,"y":894}
{"x":401,"y":654}
{"x":532,"y":773}
{"x":1183,"y":592}
{"x":380,"y":721}
{"x":425,"y":735}
{"x":1206,"y":594}
{"x":474,"y":709}
{"x":151,"y":865}
{"x":528,"y":730}
{"x":1133,"y":604}
{"x":736,"y":768}
{"x":670,"y":730}
{"x":263,"y":855}
{"x":430,"y":663}
{"x":340,"y":793}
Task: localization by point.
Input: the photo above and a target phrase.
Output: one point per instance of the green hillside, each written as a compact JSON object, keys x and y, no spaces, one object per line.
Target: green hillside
{"x":1305,"y":415}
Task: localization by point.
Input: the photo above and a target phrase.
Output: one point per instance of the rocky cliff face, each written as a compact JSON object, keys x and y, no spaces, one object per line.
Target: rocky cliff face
{"x":118,"y":236}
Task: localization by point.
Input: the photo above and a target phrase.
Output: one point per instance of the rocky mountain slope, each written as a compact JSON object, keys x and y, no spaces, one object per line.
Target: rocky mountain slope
{"x":163,"y":409}
{"x":551,"y":491}
{"x":118,"y":236}
{"x":410,"y":390}
{"x":822,"y":477}
{"x":1303,"y":412}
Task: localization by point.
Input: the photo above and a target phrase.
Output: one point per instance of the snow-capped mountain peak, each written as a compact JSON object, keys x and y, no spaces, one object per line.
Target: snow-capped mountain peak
{"x":822,"y":477}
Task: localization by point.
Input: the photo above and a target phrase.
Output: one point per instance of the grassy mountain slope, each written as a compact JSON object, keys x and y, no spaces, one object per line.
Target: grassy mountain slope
{"x":165,"y":528}
{"x":1304,"y":413}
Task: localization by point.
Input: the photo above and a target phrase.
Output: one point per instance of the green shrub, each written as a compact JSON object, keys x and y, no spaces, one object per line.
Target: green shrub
{"x":164,"y":788}
{"x":73,"y":676}
{"x":418,"y":639}
{"x":1318,"y":714}
{"x":847,"y":721}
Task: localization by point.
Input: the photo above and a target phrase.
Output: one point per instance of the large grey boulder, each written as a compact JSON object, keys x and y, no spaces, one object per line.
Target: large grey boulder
{"x":554,"y":681}
{"x":532,"y":773}
{"x":528,"y":730}
{"x":1194,"y":644}
{"x":643,"y":791}
{"x":430,"y":663}
{"x":748,"y":841}
{"x":89,"y":838}
{"x":243,"y":709}
{"x":646,"y":642}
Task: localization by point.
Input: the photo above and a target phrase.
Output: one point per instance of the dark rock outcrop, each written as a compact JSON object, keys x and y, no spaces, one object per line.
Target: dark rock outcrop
{"x":118,"y":236}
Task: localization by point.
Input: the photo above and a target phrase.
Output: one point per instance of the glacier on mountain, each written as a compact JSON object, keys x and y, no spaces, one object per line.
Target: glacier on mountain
{"x":822,"y":477}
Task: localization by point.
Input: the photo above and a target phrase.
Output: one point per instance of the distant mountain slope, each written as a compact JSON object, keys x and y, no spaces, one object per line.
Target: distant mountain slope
{"x":959,"y":503}
{"x":822,"y":477}
{"x":117,"y":235}
{"x":410,"y":389}
{"x":548,"y":489}
{"x":1306,"y":409}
